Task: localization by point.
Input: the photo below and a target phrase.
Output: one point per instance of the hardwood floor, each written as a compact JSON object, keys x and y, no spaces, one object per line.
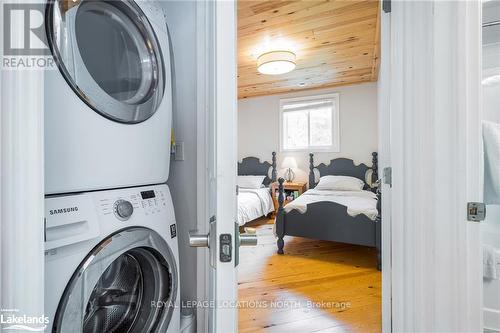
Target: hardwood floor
{"x":316,"y":286}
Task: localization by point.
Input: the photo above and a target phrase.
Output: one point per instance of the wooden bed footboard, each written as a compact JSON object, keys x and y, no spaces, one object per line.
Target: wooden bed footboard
{"x":328,"y":221}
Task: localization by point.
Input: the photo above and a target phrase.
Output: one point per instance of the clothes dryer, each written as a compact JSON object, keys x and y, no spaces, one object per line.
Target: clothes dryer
{"x":108,"y":105}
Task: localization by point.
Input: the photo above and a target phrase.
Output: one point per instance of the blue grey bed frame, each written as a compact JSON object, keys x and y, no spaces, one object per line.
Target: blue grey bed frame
{"x":329,"y":220}
{"x":252,"y":166}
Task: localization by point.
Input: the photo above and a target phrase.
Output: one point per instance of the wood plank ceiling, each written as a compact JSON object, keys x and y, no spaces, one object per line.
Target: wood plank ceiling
{"x":336,"y":43}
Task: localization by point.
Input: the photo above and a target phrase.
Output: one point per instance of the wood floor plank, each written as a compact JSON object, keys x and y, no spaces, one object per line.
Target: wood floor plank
{"x":317,"y":286}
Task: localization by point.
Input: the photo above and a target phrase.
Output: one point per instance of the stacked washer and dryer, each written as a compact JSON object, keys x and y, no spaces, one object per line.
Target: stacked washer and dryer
{"x":111,"y":249}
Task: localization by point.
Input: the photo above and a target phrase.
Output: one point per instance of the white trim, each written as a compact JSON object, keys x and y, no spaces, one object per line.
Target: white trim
{"x":22,"y":186}
{"x":226,"y":291}
{"x":384,"y":160}
{"x":471,"y":102}
{"x":335,"y":147}
{"x":205,"y":109}
{"x":309,"y":97}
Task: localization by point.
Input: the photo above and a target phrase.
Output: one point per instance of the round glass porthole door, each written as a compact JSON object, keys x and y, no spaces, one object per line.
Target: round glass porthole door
{"x":127,"y":284}
{"x":109,"y":54}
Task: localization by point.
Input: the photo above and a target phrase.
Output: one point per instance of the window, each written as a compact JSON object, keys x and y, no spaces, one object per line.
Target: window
{"x":310,"y":123}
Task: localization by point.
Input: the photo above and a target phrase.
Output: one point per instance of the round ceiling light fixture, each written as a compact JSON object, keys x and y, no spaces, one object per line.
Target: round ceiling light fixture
{"x":276,"y":62}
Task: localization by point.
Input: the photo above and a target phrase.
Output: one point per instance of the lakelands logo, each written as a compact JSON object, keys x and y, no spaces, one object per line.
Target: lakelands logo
{"x":13,"y":321}
{"x":25,"y":43}
{"x":63,"y":210}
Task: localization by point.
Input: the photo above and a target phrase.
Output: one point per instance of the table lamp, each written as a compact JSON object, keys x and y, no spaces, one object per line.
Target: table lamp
{"x":289,"y":163}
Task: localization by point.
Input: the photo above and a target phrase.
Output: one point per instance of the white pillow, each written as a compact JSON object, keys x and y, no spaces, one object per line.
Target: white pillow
{"x":340,"y":183}
{"x":250,"y":181}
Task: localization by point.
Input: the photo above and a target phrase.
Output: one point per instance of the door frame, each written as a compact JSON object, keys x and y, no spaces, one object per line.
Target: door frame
{"x":384,"y":161}
{"x":21,"y":182}
{"x":437,"y":46}
{"x":217,"y":126}
{"x":205,"y":105}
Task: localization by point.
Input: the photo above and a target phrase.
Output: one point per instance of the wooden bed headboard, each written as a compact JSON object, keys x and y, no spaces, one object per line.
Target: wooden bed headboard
{"x":252,"y":166}
{"x":344,"y":167}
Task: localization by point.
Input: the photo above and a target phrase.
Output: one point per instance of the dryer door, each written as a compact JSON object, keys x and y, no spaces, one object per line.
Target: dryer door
{"x":128,"y":283}
{"x":109,"y":54}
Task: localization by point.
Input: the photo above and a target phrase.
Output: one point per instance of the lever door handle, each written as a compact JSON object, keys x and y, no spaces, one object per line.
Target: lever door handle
{"x":248,"y":239}
{"x":197,"y":240}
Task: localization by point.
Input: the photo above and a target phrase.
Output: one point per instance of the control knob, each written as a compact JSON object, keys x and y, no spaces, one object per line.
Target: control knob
{"x":123,"y":209}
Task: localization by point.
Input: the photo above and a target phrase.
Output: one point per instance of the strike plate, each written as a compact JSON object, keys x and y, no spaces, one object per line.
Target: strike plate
{"x":476,"y":211}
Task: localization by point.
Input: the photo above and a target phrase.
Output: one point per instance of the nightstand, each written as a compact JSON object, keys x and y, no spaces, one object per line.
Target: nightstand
{"x":291,"y":189}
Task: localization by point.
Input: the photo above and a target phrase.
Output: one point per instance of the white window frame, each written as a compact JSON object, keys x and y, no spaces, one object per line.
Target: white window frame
{"x":335,"y":146}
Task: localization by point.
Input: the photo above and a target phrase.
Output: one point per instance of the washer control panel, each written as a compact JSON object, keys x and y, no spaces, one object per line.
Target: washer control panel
{"x":153,"y":201}
{"x":143,"y":202}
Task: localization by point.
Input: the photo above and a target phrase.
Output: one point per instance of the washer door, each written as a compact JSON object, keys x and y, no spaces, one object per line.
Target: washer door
{"x":128,"y":283}
{"x":108,"y":53}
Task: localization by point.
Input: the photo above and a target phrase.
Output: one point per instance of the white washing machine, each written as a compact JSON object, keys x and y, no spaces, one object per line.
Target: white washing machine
{"x":108,"y":107}
{"x":111,"y":262}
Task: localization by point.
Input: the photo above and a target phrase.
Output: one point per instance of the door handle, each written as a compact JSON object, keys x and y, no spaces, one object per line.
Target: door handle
{"x":203,"y":240}
{"x":197,"y":240}
{"x":249,"y":238}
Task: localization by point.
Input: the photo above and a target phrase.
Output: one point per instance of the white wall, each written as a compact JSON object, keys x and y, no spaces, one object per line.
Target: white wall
{"x":258,"y":127}
{"x":181,"y":17}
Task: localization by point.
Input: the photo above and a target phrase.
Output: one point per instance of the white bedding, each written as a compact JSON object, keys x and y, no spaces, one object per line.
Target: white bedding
{"x":357,"y":202}
{"x":253,"y":203}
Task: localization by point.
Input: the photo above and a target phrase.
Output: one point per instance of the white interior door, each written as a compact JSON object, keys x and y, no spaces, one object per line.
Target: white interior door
{"x":436,"y":165}
{"x":217,"y":278}
{"x":226,"y":293}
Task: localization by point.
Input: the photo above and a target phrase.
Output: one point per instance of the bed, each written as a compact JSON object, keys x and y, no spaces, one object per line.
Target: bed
{"x":255,"y":202}
{"x":351,"y":218}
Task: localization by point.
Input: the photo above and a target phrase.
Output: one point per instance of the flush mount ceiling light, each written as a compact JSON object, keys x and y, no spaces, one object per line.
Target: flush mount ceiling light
{"x":276,"y":62}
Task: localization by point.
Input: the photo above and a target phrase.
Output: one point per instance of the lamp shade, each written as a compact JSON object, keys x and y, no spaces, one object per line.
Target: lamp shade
{"x":289,"y":162}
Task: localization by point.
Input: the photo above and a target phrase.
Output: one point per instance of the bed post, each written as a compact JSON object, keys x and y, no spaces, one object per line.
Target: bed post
{"x":274,"y":173}
{"x":312,"y":180}
{"x":280,"y":218}
{"x":374,"y":170}
{"x":378,"y":231}
{"x":378,"y":221}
